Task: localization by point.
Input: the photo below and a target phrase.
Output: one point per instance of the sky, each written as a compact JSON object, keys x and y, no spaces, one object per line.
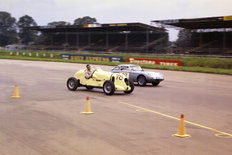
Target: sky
{"x":116,"y":11}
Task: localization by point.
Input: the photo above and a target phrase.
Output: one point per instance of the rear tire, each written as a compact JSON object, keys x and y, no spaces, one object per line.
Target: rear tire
{"x":108,"y":87}
{"x":72,"y":83}
{"x":142,"y":80}
{"x":132,"y":88}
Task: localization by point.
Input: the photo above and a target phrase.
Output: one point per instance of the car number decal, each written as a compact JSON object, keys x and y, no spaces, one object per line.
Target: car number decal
{"x":119,"y":77}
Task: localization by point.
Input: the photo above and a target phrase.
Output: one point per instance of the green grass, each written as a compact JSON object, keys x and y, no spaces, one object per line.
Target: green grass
{"x":191,"y":64}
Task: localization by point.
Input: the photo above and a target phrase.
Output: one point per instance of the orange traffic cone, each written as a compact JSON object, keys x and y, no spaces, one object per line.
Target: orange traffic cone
{"x":181,"y":131}
{"x":16,"y":92}
{"x":87,"y":107}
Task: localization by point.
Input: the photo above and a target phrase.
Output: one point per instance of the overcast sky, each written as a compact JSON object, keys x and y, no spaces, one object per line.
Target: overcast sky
{"x":115,"y":11}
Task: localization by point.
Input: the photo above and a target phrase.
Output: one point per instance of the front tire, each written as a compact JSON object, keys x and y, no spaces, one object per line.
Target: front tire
{"x":132,"y":88}
{"x":155,"y":83}
{"x":142,"y":80}
{"x":109,"y":87}
{"x":72,"y":83}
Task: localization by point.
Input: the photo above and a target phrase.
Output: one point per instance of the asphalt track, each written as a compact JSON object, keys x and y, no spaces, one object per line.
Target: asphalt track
{"x":46,"y":119}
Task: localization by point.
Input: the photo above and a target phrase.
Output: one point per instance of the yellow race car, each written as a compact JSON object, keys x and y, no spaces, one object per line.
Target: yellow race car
{"x":110,"y":82}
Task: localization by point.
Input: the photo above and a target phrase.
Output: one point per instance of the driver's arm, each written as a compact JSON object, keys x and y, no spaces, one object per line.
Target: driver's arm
{"x":88,"y":74}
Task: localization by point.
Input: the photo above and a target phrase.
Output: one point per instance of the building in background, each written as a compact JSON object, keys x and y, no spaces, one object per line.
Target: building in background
{"x":118,"y":37}
{"x":211,"y":35}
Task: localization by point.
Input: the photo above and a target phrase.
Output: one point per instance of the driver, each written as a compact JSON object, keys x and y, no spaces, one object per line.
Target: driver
{"x":88,"y":72}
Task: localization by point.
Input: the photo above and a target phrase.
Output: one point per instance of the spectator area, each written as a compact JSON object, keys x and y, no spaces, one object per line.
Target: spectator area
{"x":211,"y":35}
{"x":120,"y":37}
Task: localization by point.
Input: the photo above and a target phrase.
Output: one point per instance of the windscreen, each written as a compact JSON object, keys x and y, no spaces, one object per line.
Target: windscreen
{"x":136,"y":68}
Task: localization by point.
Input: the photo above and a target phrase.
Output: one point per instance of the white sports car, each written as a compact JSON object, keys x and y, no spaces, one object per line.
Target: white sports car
{"x":137,"y":74}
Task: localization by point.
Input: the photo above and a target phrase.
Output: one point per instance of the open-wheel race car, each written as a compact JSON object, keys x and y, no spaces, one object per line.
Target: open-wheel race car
{"x":110,"y":82}
{"x":137,"y":74}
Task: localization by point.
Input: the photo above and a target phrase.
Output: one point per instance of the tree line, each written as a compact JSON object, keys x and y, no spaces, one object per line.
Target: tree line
{"x":12,"y":31}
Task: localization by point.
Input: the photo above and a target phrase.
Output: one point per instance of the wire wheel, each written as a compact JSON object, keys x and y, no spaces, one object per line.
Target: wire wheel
{"x":72,"y":83}
{"x":142,"y":81}
{"x":108,"y":87}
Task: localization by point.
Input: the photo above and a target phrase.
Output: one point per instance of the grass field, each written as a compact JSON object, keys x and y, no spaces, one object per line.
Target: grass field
{"x":191,"y":64}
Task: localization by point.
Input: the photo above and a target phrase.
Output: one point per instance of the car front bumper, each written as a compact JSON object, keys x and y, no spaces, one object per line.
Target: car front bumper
{"x":154,"y":79}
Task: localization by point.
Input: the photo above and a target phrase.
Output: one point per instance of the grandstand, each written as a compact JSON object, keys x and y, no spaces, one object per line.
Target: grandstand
{"x":211,"y":35}
{"x":119,"y":37}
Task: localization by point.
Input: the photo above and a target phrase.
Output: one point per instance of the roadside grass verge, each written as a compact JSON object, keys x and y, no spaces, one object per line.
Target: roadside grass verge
{"x":211,"y":62}
{"x":56,"y":58}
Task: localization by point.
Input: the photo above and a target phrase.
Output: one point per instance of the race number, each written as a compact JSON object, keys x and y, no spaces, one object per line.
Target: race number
{"x":119,"y":77}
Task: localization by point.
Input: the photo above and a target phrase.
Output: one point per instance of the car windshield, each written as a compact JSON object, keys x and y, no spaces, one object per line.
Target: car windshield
{"x":136,"y":68}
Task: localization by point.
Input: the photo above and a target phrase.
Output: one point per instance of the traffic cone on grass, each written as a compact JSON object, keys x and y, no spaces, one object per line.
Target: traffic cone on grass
{"x":181,"y":131}
{"x":16,"y":92}
{"x":87,"y":107}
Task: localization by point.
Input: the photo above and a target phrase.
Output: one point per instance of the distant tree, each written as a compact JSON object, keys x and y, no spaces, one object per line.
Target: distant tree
{"x":8,"y":34}
{"x":85,"y":20}
{"x":184,"y":38}
{"x":26,"y":36}
{"x":59,"y":23}
{"x":43,"y":38}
